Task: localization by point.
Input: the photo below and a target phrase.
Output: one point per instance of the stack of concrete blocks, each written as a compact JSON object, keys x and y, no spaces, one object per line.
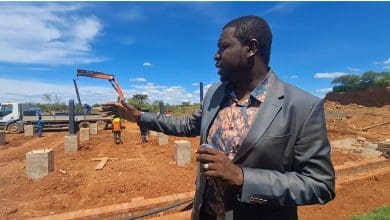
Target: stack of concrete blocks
{"x":29,"y":130}
{"x":384,"y":146}
{"x":162,"y":139}
{"x":93,"y":128}
{"x":71,"y":143}
{"x":2,"y":138}
{"x":84,"y":134}
{"x":182,"y":153}
{"x":153,"y":133}
{"x":39,"y":163}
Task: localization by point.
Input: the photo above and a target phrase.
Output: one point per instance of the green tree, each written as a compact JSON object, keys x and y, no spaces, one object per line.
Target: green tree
{"x":346,"y":83}
{"x":367,"y":80}
{"x":138,"y":101}
{"x":383,"y":79}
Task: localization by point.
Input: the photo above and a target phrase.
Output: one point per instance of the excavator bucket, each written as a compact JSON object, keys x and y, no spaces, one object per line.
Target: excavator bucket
{"x":94,"y":74}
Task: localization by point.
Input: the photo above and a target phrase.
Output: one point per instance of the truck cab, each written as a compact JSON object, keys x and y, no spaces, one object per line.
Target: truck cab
{"x":10,"y":117}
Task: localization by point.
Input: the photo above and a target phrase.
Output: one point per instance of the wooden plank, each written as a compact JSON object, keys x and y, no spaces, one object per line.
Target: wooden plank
{"x":373,"y":126}
{"x":101,"y":158}
{"x":102,"y":163}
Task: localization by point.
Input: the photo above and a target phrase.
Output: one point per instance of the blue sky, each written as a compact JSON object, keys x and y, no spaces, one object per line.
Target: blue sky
{"x":164,"y":49}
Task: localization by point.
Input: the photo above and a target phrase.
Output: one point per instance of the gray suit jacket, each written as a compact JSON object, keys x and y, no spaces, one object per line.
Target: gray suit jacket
{"x":285,"y":157}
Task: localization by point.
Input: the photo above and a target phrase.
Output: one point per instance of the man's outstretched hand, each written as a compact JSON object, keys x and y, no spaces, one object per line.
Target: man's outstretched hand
{"x":123,"y":110}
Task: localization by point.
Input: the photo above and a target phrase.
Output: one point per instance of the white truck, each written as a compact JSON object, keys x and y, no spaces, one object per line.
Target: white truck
{"x":13,"y":117}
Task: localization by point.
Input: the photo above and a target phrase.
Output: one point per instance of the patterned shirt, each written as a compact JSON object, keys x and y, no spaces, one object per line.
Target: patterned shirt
{"x":229,"y":129}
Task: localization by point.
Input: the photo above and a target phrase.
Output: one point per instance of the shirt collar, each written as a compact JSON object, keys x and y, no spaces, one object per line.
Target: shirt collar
{"x":258,"y":94}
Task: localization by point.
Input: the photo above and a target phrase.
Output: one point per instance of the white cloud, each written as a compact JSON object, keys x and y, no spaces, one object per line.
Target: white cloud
{"x":322,"y":92}
{"x":13,"y":90}
{"x":329,"y":75}
{"x":147,"y":64}
{"x":281,"y":8}
{"x":387,"y":61}
{"x":325,"y":90}
{"x":294,"y":76}
{"x":31,"y":90}
{"x":138,"y":79}
{"x":168,"y":94}
{"x":195,"y":84}
{"x":47,"y":34}
{"x":352,"y":69}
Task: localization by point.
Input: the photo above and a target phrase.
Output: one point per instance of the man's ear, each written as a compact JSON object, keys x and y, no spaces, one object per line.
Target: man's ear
{"x":253,"y":47}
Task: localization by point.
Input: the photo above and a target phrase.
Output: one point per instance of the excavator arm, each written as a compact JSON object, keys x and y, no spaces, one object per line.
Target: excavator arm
{"x":100,"y":75}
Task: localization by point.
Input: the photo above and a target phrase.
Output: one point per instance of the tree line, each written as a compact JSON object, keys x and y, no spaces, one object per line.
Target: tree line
{"x":352,"y":82}
{"x":140,"y":101}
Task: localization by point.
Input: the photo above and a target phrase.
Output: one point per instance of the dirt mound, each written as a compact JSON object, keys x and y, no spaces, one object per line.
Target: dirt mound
{"x":378,"y":96}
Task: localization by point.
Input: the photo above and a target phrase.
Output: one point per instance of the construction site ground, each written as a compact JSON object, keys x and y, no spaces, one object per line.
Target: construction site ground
{"x":148,"y":170}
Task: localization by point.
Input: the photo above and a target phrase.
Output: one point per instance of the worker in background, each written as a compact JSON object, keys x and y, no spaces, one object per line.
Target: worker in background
{"x":39,"y":124}
{"x":88,"y":108}
{"x":117,"y":129}
{"x":144,"y":131}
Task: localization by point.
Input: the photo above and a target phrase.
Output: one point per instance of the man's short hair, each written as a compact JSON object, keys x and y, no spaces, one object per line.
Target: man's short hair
{"x":253,"y":27}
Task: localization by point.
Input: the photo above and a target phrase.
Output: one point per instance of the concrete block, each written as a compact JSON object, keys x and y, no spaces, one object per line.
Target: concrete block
{"x":182,"y":153}
{"x":384,"y":146}
{"x":29,"y":130}
{"x":153,"y":133}
{"x":84,"y":134}
{"x":39,"y":163}
{"x":93,"y":128}
{"x":162,"y":139}
{"x":361,"y":142}
{"x":101,"y":125}
{"x":2,"y":137}
{"x":71,"y":143}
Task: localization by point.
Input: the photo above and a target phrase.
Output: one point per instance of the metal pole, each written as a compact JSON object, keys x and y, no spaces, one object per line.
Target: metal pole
{"x":77,"y":91}
{"x":72,"y":125}
{"x":161,"y":107}
{"x":201,"y":91}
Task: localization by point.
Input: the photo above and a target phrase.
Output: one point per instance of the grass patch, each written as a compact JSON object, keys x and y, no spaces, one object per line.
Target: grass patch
{"x":382,"y":213}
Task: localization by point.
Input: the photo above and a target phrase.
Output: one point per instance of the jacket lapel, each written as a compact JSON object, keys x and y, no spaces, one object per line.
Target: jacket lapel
{"x":266,"y":113}
{"x":212,"y":109}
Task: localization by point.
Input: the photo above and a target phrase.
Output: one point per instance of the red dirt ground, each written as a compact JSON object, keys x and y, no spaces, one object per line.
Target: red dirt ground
{"x":147,"y":170}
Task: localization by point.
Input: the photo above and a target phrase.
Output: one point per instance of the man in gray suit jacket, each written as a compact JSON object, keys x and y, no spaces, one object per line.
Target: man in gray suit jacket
{"x":266,"y":147}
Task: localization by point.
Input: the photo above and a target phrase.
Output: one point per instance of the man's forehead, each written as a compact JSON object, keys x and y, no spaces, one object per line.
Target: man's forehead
{"x":227,"y":34}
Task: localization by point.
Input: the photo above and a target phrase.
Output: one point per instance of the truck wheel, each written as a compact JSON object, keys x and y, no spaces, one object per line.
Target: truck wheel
{"x":84,"y":124}
{"x":14,"y":128}
{"x":101,"y":125}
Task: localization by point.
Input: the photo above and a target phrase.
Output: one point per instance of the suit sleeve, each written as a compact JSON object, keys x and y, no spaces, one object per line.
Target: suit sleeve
{"x":312,"y":180}
{"x":185,"y":126}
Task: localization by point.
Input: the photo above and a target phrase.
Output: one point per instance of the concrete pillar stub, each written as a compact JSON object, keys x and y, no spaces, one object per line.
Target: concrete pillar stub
{"x":153,"y":133}
{"x":384,"y":146}
{"x":162,"y":139}
{"x":39,"y":163}
{"x":93,"y":128}
{"x":29,"y":130}
{"x":2,"y":137}
{"x":71,"y":143}
{"x":182,"y":153}
{"x":84,"y":134}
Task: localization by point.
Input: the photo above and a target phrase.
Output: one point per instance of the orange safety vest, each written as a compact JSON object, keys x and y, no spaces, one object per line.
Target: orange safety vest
{"x":116,"y":124}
